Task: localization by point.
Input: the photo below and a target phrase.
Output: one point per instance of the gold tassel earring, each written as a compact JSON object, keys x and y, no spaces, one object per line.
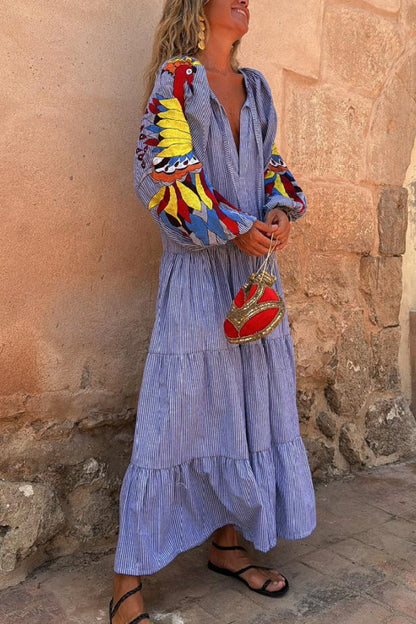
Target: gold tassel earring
{"x":201,"y":34}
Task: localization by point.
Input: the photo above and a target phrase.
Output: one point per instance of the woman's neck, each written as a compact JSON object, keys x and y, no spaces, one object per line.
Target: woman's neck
{"x":217,"y":56}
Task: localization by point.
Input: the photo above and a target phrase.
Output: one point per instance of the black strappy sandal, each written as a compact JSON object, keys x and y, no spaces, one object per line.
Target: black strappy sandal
{"x":113,"y":611}
{"x":275,"y":594}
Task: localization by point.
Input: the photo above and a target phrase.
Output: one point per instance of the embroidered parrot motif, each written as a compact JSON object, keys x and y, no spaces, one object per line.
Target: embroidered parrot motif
{"x":185,"y":201}
{"x":279,"y":182}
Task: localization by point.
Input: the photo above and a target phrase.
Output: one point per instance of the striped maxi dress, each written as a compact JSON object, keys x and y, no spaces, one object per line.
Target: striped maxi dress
{"x":217,"y":437}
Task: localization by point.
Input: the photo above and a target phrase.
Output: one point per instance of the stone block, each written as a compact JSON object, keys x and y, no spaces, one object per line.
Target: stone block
{"x":94,"y":514}
{"x":320,"y":456}
{"x":290,"y":261}
{"x":30,"y":516}
{"x":358,"y":47}
{"x":324,"y":131}
{"x":389,"y":141}
{"x":352,"y":445}
{"x":391,"y":427}
{"x":385,"y":5}
{"x":335,"y":278}
{"x":304,"y":401}
{"x":409,"y":16}
{"x":381,"y":284}
{"x":340,"y":218}
{"x":349,"y":389}
{"x":327,"y":423}
{"x":407,"y":72}
{"x":385,"y":359}
{"x":275,"y":43}
{"x":412,"y":349}
{"x":101,"y":418}
{"x":392,"y":221}
{"x":314,"y":328}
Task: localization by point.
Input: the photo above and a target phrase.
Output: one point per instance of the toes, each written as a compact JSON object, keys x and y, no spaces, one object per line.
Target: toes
{"x":275,"y":586}
{"x":274,"y":574}
{"x":278,"y":581}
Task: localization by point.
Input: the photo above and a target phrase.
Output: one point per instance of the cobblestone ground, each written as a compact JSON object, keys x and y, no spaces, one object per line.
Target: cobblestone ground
{"x":358,"y":567}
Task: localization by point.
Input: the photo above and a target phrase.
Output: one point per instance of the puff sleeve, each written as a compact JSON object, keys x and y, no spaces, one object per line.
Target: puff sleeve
{"x":168,"y":177}
{"x":281,"y":189}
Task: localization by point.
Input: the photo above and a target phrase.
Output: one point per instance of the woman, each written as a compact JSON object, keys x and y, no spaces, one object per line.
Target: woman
{"x":217,"y":444}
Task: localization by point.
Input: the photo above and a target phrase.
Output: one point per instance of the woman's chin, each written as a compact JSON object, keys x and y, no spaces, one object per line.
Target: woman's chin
{"x":243,"y":32}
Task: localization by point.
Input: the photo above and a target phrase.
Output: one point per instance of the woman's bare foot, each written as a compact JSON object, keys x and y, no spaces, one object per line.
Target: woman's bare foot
{"x":132,"y":606}
{"x":234,"y":560}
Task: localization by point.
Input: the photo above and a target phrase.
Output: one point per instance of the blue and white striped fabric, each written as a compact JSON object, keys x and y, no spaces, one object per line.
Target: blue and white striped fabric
{"x":217,"y":437}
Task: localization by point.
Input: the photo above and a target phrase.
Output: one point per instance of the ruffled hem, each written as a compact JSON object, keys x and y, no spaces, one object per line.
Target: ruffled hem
{"x":164,"y":512}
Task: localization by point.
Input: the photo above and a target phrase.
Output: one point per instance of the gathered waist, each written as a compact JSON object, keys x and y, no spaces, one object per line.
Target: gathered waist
{"x":172,"y":247}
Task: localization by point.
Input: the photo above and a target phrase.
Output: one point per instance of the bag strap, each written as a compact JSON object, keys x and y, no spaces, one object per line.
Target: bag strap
{"x":264,"y":267}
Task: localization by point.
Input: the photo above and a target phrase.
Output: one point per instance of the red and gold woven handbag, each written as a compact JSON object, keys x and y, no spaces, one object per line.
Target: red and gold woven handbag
{"x":256,"y":309}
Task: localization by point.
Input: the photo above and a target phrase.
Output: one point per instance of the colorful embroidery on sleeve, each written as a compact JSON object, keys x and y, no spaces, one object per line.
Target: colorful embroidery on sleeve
{"x":280,"y":185}
{"x":186,"y":202}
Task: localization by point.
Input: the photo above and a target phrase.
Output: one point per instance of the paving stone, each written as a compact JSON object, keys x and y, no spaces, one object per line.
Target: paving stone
{"x":361,"y":553}
{"x":346,"y":572}
{"x":355,"y":610}
{"x":404,"y":577}
{"x":73,"y":592}
{"x":286,"y":550}
{"x":369,"y":486}
{"x":410,"y":516}
{"x":352,"y":513}
{"x":401,"y":528}
{"x":13,"y":599}
{"x":229,"y":604}
{"x":390,"y":544}
{"x":328,"y":531}
{"x":192,"y":615}
{"x":396,"y":596}
{"x":397,"y":503}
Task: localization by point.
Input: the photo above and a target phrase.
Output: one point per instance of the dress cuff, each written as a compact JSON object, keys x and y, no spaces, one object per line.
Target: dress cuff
{"x":290,"y":207}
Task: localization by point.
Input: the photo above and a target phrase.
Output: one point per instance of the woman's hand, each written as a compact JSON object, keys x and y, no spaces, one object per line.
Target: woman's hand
{"x":256,"y":242}
{"x":279,"y":217}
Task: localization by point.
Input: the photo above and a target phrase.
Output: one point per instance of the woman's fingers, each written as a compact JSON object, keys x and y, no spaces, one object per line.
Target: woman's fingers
{"x":254,"y":248}
{"x":256,"y":241}
{"x":266,"y":228}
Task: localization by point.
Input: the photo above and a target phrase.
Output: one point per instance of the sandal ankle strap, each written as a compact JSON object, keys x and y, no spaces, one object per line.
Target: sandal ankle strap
{"x":141,"y":617}
{"x":228,"y":547}
{"x":113,"y":610}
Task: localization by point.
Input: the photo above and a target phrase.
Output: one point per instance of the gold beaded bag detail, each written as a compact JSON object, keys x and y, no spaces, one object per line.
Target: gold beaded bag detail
{"x":256,"y":309}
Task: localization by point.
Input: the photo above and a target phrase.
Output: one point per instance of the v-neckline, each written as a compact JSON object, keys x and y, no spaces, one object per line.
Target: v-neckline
{"x":230,"y":131}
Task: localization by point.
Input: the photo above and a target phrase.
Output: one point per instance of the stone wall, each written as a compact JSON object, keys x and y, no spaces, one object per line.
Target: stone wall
{"x":80,"y":257}
{"x":407,"y":351}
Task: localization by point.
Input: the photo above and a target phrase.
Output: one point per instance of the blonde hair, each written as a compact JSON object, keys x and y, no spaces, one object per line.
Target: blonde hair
{"x":177,"y":35}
